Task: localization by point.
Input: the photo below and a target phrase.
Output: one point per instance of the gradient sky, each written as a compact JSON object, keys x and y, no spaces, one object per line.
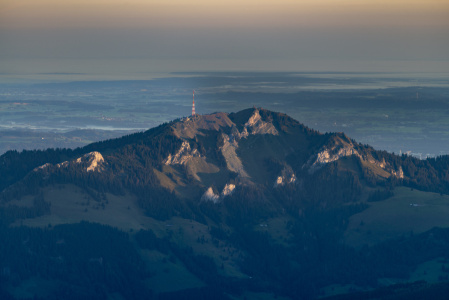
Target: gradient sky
{"x":184,"y":35}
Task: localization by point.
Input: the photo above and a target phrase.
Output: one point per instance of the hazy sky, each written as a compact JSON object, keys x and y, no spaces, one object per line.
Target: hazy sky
{"x":171,"y":35}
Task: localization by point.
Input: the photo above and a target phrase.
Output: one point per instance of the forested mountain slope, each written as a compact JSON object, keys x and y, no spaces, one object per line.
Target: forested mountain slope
{"x":233,"y":205}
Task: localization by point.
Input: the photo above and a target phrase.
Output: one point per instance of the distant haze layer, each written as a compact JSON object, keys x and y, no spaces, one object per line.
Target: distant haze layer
{"x":228,"y":35}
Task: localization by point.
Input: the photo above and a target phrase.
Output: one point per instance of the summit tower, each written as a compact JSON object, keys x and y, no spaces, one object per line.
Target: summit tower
{"x":193,"y":104}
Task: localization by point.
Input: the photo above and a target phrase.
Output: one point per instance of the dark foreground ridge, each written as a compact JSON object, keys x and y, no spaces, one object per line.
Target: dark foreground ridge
{"x":226,"y":206}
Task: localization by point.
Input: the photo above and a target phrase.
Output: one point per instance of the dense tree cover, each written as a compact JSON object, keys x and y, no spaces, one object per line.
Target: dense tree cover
{"x":316,"y":258}
{"x":147,"y":147}
{"x":129,"y":166}
{"x":89,"y":260}
{"x":13,"y":212}
{"x":331,"y":186}
{"x":161,"y":204}
{"x":379,"y":195}
{"x":247,"y":203}
{"x":15,"y":165}
{"x":313,"y":258}
{"x":431,"y":174}
{"x":92,"y":261}
{"x":409,"y":291}
{"x":205,"y":293}
{"x":201,"y":266}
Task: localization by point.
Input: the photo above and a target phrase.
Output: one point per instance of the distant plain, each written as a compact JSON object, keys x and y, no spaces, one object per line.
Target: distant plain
{"x":396,"y":112}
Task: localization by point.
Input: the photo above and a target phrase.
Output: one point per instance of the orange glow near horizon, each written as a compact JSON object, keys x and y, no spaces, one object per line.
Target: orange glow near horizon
{"x":23,"y":14}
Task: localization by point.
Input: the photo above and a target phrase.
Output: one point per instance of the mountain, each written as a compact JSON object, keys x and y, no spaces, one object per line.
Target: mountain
{"x":242,"y":205}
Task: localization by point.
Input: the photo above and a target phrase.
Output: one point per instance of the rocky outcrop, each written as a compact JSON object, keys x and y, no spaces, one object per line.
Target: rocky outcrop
{"x":399,"y":173}
{"x":93,"y":161}
{"x":188,"y":128}
{"x":326,"y":156}
{"x":45,"y":166}
{"x":209,"y":195}
{"x":381,"y":164}
{"x":228,"y":150}
{"x":184,"y":154}
{"x":90,"y":162}
{"x":227,"y":190}
{"x":256,"y":125}
{"x":343,"y":149}
{"x":63,"y":164}
{"x":287,"y":177}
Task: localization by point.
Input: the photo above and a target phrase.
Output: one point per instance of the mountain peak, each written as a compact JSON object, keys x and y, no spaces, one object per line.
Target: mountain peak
{"x":256,"y":125}
{"x":188,"y":128}
{"x":250,"y":147}
{"x":210,"y":191}
{"x":93,"y":161}
{"x":248,"y":122}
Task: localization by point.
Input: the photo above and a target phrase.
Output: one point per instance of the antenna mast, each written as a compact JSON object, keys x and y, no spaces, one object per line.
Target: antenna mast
{"x":193,"y":104}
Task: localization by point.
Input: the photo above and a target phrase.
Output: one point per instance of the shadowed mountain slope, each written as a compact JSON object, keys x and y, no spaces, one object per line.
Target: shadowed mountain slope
{"x":248,"y":204}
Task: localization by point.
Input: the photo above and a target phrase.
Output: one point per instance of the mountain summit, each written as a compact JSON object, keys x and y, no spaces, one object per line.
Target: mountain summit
{"x":190,"y":157}
{"x":253,"y":147}
{"x":215,"y":200}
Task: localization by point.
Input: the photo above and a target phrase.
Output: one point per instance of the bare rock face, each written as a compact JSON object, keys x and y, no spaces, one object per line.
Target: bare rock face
{"x":233,"y":162}
{"x":327,"y":155}
{"x":93,"y":161}
{"x":287,"y":177}
{"x":43,"y":167}
{"x":209,"y":195}
{"x":227,"y":190}
{"x":64,"y":164}
{"x":343,"y":148}
{"x":399,"y":173}
{"x":193,"y":161}
{"x":190,"y":127}
{"x":184,"y":154}
{"x":256,"y":125}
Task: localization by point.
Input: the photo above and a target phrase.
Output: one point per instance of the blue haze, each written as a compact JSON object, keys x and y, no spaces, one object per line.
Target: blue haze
{"x":390,"y":111}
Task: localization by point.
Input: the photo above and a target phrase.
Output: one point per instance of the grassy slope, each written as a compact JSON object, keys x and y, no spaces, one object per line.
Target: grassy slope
{"x":70,"y":204}
{"x":408,"y":211}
